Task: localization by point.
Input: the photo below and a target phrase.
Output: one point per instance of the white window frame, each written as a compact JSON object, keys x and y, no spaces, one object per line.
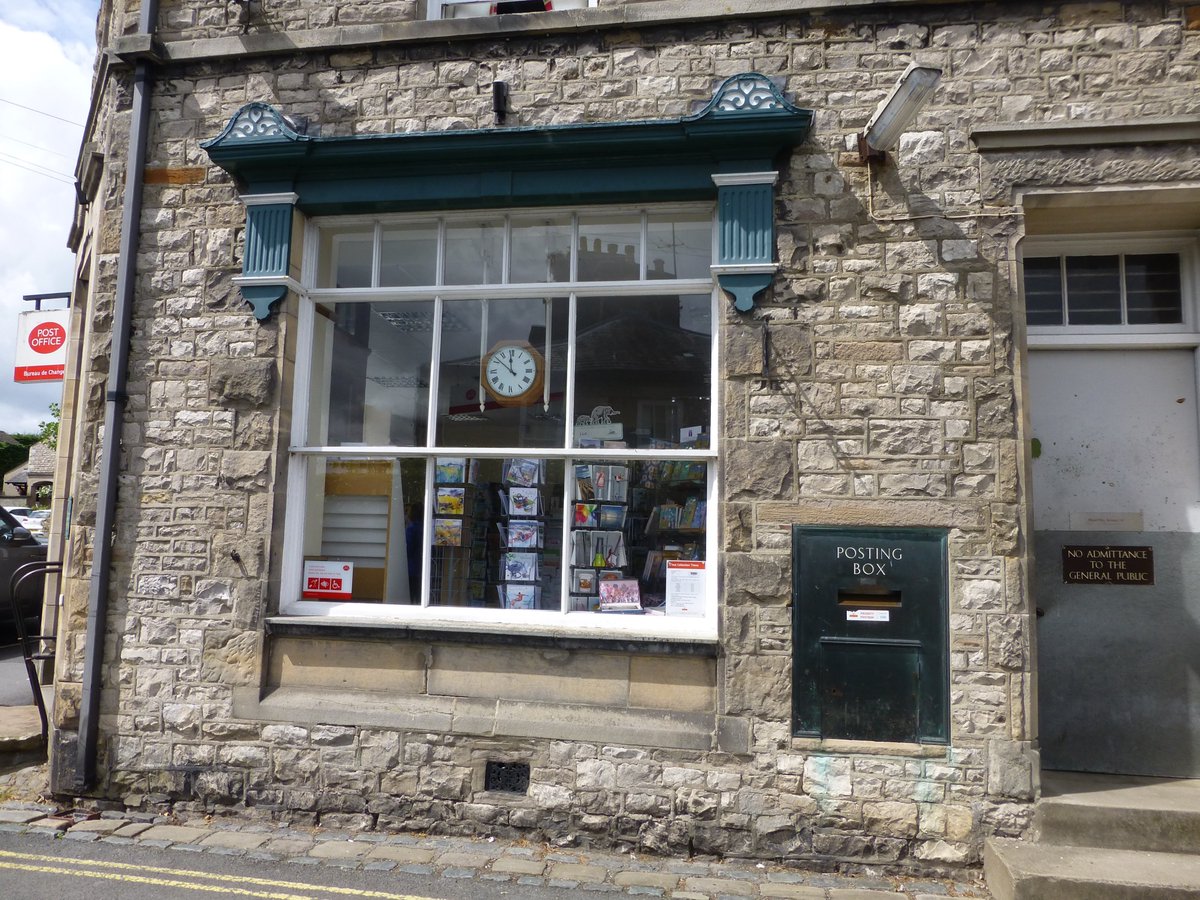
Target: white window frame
{"x":533,"y":622}
{"x":436,"y":7}
{"x":1182,"y":334}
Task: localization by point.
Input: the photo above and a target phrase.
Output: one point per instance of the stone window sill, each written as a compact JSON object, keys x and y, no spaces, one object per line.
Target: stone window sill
{"x":319,"y":626}
{"x":870,"y":748}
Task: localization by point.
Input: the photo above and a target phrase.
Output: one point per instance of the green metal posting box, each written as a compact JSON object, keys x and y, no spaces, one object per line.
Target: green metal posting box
{"x":870,"y":659}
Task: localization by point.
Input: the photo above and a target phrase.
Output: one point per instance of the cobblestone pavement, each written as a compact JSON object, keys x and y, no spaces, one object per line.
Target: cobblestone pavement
{"x":23,"y":810}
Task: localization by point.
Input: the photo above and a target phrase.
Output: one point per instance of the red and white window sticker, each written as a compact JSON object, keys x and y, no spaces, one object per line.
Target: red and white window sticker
{"x":326,"y":579}
{"x":41,"y":345}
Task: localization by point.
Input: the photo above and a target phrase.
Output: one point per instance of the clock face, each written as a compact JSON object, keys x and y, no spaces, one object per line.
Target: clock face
{"x":512,"y":371}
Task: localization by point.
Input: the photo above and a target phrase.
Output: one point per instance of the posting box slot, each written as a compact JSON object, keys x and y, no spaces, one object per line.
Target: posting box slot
{"x":861,"y":598}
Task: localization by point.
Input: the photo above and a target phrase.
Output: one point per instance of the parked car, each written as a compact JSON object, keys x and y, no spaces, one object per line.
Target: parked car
{"x":24,"y":515}
{"x":33,"y":519}
{"x":17,"y":547}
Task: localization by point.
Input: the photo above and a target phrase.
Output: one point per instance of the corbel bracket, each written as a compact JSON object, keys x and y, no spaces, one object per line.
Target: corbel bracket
{"x":746,"y":262}
{"x":265,"y":278}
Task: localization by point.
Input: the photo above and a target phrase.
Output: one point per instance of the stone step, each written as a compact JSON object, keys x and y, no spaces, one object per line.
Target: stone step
{"x":1119,"y":811}
{"x":1019,"y":870}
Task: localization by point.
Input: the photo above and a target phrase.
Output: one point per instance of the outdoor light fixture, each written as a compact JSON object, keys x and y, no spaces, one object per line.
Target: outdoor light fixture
{"x":500,"y":100}
{"x":896,"y":113}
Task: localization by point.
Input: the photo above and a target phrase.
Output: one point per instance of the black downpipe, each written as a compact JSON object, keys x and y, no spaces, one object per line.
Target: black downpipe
{"x":114,"y":413}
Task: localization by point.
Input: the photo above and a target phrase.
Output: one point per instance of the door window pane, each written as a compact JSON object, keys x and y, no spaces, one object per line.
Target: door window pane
{"x":1093,"y":290}
{"x":1153,"y":294}
{"x":642,"y":367}
{"x":518,"y":402}
{"x":1043,"y":291}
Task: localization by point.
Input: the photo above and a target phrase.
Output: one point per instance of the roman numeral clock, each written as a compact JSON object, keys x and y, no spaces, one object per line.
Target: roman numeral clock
{"x":513,"y":373}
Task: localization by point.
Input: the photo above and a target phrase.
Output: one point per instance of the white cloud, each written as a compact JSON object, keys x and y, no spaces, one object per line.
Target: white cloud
{"x":46,"y":55}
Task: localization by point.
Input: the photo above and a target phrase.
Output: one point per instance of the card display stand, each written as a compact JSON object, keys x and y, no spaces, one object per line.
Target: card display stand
{"x":599,"y":550}
{"x":527,"y":559}
{"x":498,"y":533}
{"x":461,"y":513}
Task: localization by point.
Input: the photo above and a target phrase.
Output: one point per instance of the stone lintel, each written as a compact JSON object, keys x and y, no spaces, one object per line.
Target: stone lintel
{"x":1040,"y":135}
{"x":868,"y":513}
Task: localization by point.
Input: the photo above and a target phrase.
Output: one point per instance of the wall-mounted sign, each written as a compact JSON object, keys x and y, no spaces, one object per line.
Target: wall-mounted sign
{"x":41,"y":345}
{"x":1108,"y":565}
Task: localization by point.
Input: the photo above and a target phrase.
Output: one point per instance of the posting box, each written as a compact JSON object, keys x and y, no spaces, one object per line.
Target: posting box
{"x":870,"y":621}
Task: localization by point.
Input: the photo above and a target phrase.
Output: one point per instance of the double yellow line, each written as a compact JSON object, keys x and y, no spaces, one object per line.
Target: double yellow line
{"x":184,"y":879}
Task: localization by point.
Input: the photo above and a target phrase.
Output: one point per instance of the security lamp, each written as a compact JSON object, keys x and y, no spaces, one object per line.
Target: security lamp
{"x":896,"y":113}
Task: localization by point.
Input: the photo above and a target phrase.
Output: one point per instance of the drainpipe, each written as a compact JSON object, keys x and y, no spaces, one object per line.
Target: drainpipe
{"x":144,"y":58}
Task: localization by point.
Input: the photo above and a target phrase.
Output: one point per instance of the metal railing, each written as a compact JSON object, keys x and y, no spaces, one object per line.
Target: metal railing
{"x":34,"y":647}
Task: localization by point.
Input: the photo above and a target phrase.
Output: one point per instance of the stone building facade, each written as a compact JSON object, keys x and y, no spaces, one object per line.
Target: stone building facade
{"x":878,"y":382}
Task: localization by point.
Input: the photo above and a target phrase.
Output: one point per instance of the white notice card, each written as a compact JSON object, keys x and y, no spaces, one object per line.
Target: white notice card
{"x":685,"y":587}
{"x":327,"y":579}
{"x":868,"y":615}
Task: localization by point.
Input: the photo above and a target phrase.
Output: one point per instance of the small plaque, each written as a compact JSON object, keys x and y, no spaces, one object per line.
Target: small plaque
{"x":1107,"y":521}
{"x":1108,"y":565}
{"x":868,"y":615}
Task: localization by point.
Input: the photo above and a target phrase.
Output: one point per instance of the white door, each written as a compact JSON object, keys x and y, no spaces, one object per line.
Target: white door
{"x":1117,"y":463}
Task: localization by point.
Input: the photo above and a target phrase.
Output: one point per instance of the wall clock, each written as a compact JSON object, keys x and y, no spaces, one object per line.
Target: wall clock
{"x":513,"y":373}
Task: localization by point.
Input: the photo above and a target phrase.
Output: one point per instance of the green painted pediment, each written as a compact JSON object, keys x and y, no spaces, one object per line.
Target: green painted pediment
{"x":746,"y":125}
{"x":728,"y":150}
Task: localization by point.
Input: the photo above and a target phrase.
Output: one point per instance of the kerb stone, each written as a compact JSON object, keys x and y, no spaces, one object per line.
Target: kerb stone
{"x":401,"y":854}
{"x":340,"y":850}
{"x":235,"y":840}
{"x":176,"y":834}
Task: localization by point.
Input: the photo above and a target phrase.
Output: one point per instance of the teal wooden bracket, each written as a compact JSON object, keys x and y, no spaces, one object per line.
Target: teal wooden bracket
{"x":745,"y":235}
{"x":744,"y":287}
{"x":265,"y":278}
{"x":262,"y":297}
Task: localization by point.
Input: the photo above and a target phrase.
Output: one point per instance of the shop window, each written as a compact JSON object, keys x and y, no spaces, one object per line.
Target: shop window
{"x":1097,"y":291}
{"x":507,"y":418}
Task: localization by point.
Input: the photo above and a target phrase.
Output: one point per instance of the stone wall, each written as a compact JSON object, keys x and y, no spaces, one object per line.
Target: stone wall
{"x":876,"y":384}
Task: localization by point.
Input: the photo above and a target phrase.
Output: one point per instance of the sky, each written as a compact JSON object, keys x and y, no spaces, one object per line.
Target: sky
{"x":47,"y":48}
